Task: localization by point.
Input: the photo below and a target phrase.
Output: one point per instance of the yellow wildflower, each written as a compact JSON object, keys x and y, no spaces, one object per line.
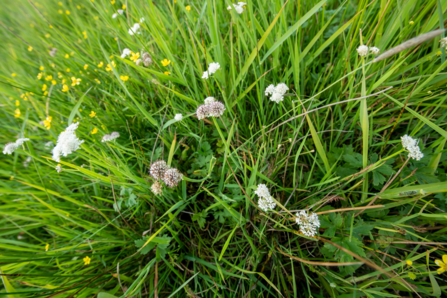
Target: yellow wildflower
{"x":65,"y":88}
{"x":112,"y":2}
{"x":17,"y":113}
{"x":44,"y":87}
{"x":68,"y":70}
{"x":17,"y":103}
{"x":41,"y":68}
{"x":47,"y":35}
{"x":442,"y":264}
{"x":101,"y":64}
{"x":86,"y":66}
{"x":39,"y":75}
{"x":30,"y":48}
{"x":47,"y":247}
{"x":53,"y":65}
{"x":75,"y":81}
{"x":167,"y":73}
{"x":67,"y":12}
{"x":45,"y":93}
{"x":13,"y":74}
{"x":92,"y":114}
{"x":64,"y":81}
{"x":85,"y":34}
{"x":124,"y":78}
{"x":411,"y":23}
{"x":60,"y":3}
{"x":95,"y":130}
{"x":53,"y":82}
{"x":86,"y":260}
{"x":96,"y":18}
{"x":60,"y":11}
{"x":124,"y":6}
{"x":109,"y":68}
{"x":47,"y":122}
{"x":48,"y":78}
{"x":134,"y":56}
{"x":67,"y":56}
{"x":409,"y":262}
{"x":165,"y":62}
{"x":78,"y":7}
{"x":188,"y":8}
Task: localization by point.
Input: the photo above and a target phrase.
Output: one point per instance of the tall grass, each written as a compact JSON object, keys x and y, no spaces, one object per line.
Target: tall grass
{"x":332,"y":146}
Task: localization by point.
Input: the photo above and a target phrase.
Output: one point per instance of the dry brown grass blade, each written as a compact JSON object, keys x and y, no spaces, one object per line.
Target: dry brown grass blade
{"x":317,"y":263}
{"x":408,"y":44}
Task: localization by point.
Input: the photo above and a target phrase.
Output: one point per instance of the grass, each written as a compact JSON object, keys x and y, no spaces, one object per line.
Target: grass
{"x":332,"y":146}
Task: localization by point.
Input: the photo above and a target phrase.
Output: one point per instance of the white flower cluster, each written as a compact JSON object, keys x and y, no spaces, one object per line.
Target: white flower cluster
{"x":211,"y":108}
{"x":126,"y":52}
{"x":309,"y":223}
{"x":59,"y":168}
{"x":363,"y":50}
{"x":276,"y":93}
{"x":161,"y":171}
{"x":67,"y":142}
{"x":178,"y":117}
{"x":411,"y":145}
{"x":239,"y":7}
{"x":107,"y":138}
{"x":443,"y":42}
{"x":265,"y":201}
{"x":134,"y":29}
{"x":212,"y":68}
{"x":11,"y":147}
{"x":120,"y":11}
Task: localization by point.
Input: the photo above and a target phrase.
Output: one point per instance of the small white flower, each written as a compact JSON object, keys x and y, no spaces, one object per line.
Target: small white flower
{"x":262,"y":191}
{"x":141,"y":20}
{"x":157,"y":188}
{"x":270,"y":89}
{"x":277,"y":97}
{"x":362,"y":50}
{"x":126,"y":52}
{"x":107,"y":138}
{"x":114,"y":15}
{"x":281,"y":88}
{"x":134,"y":29}
{"x":309,"y":223}
{"x":375,"y":50}
{"x":209,"y":100}
{"x":172,"y":177}
{"x":443,"y":42}
{"x":276,"y":93}
{"x":239,"y":7}
{"x":59,"y":168}
{"x":11,"y":147}
{"x":213,"y":67}
{"x":205,"y":75}
{"x":411,"y":145}
{"x":266,"y":203}
{"x":67,"y":142}
{"x":120,"y":11}
{"x":178,"y":117}
{"x":216,"y":109}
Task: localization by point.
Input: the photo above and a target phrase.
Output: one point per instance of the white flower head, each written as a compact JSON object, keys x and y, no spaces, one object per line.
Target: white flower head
{"x":270,"y":89}
{"x":158,"y":169}
{"x":266,"y":203}
{"x":209,"y":100}
{"x":120,"y":11}
{"x":362,"y":50}
{"x":411,"y":145}
{"x":212,"y":68}
{"x":58,"y":168}
{"x":239,"y":7}
{"x":205,"y":75}
{"x":141,"y":20}
{"x":277,"y":97}
{"x":11,"y":147}
{"x":134,"y":29}
{"x":114,"y":15}
{"x":172,"y":177}
{"x":216,"y":109}
{"x":309,"y":223}
{"x":107,"y":138}
{"x":375,"y":50}
{"x":202,"y":112}
{"x":126,"y":52}
{"x":67,"y":142}
{"x":157,"y":188}
{"x":262,"y":191}
{"x":178,"y":117}
{"x":443,"y":42}
{"x":276,"y":93}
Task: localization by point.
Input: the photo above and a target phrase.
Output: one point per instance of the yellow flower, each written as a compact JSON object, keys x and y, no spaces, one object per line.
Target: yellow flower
{"x":78,"y":7}
{"x":53,"y":82}
{"x":134,"y":56}
{"x":13,"y":74}
{"x":44,"y":87}
{"x":45,"y":93}
{"x":112,"y":2}
{"x":411,"y":23}
{"x":167,"y":73}
{"x":188,"y":8}
{"x":409,"y":262}
{"x":60,"y":3}
{"x":17,"y":103}
{"x":47,"y":122}
{"x":85,"y":34}
{"x":92,"y":114}
{"x":98,"y":81}
{"x":67,"y":12}
{"x":50,"y":26}
{"x":124,"y":6}
{"x":47,"y":35}
{"x":95,"y":130}
{"x":96,"y":18}
{"x":60,"y":11}
{"x":101,"y":64}
{"x":17,"y":113}
{"x":67,"y":56}
{"x":41,"y":68}
{"x":48,"y":78}
{"x":124,"y":78}
{"x":64,"y":80}
{"x":65,"y":88}
{"x":75,"y":81}
{"x":165,"y":62}
{"x":80,"y":110}
{"x":39,"y":75}
{"x":53,"y":65}
{"x":68,"y":70}
{"x":109,"y":68}
{"x":30,"y":48}
{"x":86,"y":66}
{"x":86,"y":260}
{"x":442,"y":264}
{"x":47,"y":247}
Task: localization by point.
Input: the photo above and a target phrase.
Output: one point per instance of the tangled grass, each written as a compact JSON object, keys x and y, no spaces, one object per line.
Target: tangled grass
{"x":304,"y":109}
